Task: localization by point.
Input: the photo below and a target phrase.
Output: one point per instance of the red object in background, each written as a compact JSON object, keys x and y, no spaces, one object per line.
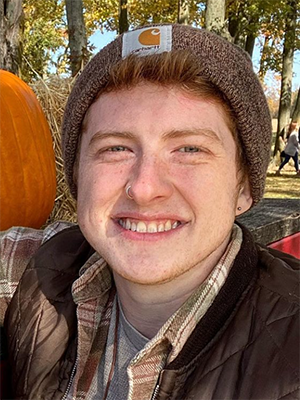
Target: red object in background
{"x":289,"y":244}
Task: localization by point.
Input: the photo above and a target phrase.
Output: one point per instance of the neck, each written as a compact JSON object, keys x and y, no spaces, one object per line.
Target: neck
{"x":148,"y":307}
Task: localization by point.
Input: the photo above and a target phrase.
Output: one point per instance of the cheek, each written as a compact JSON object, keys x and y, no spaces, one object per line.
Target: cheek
{"x":207,"y":184}
{"x":98,"y":184}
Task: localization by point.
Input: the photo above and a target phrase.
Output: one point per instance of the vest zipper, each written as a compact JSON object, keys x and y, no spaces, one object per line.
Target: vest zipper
{"x":155,"y":392}
{"x":71,"y":379}
{"x":158,"y":385}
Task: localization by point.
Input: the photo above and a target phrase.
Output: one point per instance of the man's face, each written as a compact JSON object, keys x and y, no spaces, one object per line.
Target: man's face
{"x":178,"y":155}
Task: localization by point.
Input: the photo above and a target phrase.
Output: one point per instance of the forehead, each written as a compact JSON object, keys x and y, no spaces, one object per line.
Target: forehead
{"x":162,"y":106}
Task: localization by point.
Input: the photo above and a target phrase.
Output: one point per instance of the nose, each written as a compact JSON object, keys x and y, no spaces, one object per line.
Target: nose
{"x":150,"y":181}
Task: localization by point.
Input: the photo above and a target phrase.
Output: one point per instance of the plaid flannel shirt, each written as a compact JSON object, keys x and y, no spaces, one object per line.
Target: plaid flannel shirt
{"x":93,"y":293}
{"x":17,"y":247}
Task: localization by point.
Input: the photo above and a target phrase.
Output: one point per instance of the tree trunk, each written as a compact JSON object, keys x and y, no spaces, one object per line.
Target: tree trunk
{"x":183,"y":12}
{"x":11,"y":26}
{"x":235,"y":16}
{"x":296,"y":112}
{"x":252,"y":34}
{"x":287,"y":73}
{"x":77,"y":35}
{"x":233,"y":26}
{"x":123,"y":18}
{"x":215,"y":16}
{"x":262,"y":69}
{"x":249,"y":46}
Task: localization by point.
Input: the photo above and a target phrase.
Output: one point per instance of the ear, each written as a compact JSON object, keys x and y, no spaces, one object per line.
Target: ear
{"x":244,"y":200}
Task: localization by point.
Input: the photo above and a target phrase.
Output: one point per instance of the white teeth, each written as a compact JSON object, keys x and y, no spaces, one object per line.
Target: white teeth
{"x":128,"y":224}
{"x":168,"y":226}
{"x":161,"y":228}
{"x":151,"y":227}
{"x":141,"y":227}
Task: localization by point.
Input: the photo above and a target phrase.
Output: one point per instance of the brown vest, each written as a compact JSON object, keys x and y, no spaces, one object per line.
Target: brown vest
{"x":41,"y":324}
{"x":245,"y":347}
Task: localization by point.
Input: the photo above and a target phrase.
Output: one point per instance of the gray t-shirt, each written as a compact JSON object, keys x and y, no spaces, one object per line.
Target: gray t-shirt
{"x":129,"y":343}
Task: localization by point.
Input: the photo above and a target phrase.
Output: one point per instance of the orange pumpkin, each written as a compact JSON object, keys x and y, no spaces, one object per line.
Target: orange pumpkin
{"x":27,"y":161}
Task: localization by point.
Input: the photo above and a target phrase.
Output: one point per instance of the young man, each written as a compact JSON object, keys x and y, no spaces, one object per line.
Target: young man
{"x":158,"y":293}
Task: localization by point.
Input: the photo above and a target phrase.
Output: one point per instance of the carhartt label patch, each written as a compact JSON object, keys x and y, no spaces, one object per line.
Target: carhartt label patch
{"x":146,"y":41}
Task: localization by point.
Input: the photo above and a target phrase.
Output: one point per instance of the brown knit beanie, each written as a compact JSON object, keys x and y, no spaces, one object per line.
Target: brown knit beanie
{"x":225,"y":65}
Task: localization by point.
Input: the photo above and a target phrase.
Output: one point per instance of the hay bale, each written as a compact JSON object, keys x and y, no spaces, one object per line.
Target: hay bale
{"x":52,"y":95}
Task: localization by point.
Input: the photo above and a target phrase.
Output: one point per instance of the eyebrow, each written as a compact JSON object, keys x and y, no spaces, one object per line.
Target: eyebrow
{"x":173,"y":134}
{"x":101,"y":135}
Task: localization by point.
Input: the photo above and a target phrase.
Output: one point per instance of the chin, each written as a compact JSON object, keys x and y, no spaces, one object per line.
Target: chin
{"x":146,"y":275}
{"x":145,"y":281}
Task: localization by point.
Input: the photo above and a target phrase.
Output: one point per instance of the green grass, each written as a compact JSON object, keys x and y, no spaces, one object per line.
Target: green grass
{"x":284,"y":186}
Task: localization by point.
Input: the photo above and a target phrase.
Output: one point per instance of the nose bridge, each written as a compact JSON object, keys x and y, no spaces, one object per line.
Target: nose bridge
{"x":150,"y":178}
{"x":148,"y":164}
{"x":147,"y":170}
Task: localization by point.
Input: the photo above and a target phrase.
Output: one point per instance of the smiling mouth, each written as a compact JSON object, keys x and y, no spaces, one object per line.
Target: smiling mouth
{"x":148,"y":227}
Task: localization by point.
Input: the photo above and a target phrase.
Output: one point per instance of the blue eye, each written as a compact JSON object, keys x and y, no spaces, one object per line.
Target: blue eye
{"x":117,"y":148}
{"x":189,"y":149}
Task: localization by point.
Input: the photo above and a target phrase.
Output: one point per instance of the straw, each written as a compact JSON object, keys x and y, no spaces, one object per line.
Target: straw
{"x":52,"y":95}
